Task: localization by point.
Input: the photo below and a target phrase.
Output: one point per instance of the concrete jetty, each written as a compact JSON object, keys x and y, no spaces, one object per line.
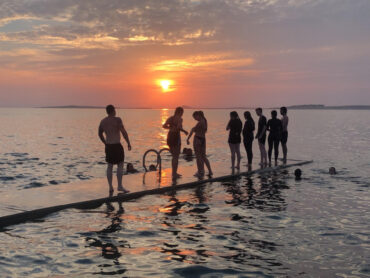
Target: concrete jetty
{"x":19,"y":206}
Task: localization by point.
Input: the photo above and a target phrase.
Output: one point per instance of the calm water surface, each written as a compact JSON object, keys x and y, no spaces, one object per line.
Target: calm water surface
{"x":264,"y":226}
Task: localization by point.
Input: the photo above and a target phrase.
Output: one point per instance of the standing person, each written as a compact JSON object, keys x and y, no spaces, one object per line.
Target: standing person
{"x":261,"y":135}
{"x":112,"y":126}
{"x":174,"y":126}
{"x":199,"y":143}
{"x":275,"y":127}
{"x":248,"y":136}
{"x":284,"y":134}
{"x":235,"y":128}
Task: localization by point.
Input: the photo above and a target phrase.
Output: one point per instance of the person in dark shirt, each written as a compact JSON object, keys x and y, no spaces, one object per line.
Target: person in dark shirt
{"x":235,"y":128}
{"x":275,"y":127}
{"x":261,"y":136}
{"x":248,"y":136}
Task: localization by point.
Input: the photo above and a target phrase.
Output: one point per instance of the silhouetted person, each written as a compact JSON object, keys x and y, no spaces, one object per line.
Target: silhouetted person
{"x":199,"y":143}
{"x":130,"y":168}
{"x":332,"y":171}
{"x":284,"y":134}
{"x":235,"y":128}
{"x":261,"y":135}
{"x":174,"y":124}
{"x":298,"y":174}
{"x":248,"y":136}
{"x":187,"y":151}
{"x":112,"y":126}
{"x":275,"y":127}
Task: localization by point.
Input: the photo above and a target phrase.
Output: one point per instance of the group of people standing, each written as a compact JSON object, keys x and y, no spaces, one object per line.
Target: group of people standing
{"x":112,"y":126}
{"x":278,"y":132}
{"x":174,"y":124}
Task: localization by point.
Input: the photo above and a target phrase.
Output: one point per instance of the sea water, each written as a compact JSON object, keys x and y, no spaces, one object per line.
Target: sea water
{"x":266,"y":225}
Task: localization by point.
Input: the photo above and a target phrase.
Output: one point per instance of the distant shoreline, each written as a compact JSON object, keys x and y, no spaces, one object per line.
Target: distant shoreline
{"x":324,"y":107}
{"x":292,"y":107}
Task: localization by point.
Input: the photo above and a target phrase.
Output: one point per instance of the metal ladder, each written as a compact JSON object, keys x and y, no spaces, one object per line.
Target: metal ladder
{"x":159,"y":159}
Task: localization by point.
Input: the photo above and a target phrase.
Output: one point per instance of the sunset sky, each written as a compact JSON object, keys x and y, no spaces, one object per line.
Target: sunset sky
{"x":165,"y":53}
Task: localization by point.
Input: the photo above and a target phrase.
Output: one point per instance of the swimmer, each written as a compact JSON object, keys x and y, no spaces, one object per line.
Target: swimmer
{"x":298,"y":174}
{"x":152,"y":167}
{"x":130,"y":168}
{"x":332,"y":171}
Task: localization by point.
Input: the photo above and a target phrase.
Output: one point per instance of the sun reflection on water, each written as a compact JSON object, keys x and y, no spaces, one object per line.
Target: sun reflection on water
{"x":163,"y":132}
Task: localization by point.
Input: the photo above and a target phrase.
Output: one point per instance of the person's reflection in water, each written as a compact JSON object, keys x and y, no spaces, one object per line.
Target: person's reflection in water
{"x":173,"y":218}
{"x":264,"y":194}
{"x":103,"y":239}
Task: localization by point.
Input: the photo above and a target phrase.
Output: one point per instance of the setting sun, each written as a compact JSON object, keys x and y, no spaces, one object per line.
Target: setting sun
{"x":166,"y":85}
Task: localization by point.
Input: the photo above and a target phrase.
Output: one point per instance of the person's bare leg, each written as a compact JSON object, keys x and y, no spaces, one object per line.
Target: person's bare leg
{"x":119,"y":178}
{"x":110,"y":176}
{"x":202,"y":155}
{"x":205,"y":160}
{"x":208,"y":165}
{"x":200,"y":164}
{"x":270,"y":142}
{"x":232,"y":150}
{"x":263,"y":153}
{"x":285,"y":152}
{"x":175,"y":162}
{"x":237,"y":150}
{"x":276,"y":149}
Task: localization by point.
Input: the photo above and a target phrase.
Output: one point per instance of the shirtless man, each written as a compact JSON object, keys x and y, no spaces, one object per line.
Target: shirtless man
{"x":112,"y":126}
{"x":261,"y":136}
{"x":284,"y":134}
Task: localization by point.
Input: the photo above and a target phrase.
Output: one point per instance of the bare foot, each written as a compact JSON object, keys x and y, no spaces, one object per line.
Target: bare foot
{"x":199,"y":175}
{"x":123,"y":190}
{"x":176,"y":176}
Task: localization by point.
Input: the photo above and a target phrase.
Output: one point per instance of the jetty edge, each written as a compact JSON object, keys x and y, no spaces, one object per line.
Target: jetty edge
{"x":35,"y":214}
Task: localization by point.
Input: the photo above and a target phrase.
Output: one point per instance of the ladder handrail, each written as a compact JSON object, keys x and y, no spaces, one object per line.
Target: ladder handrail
{"x":159,"y":159}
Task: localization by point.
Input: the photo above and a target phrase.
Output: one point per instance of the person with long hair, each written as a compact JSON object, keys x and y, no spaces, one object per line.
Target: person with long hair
{"x":174,"y":126}
{"x":248,"y":136}
{"x":235,"y":128}
{"x":275,"y":127}
{"x":199,"y":143}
